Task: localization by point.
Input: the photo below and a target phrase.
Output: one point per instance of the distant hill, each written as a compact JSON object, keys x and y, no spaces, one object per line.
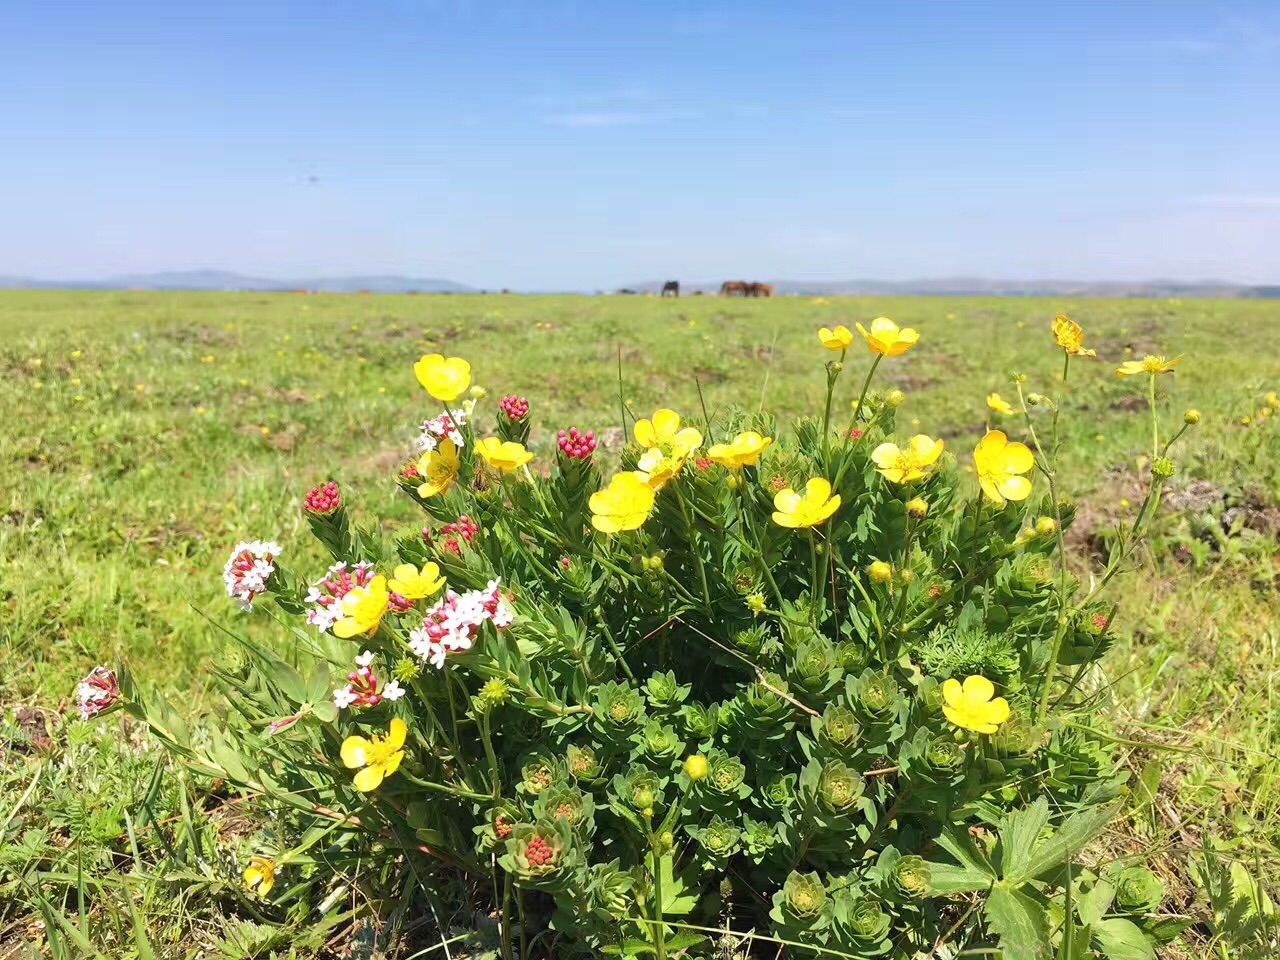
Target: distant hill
{"x":984,"y":287}
{"x":223,"y":280}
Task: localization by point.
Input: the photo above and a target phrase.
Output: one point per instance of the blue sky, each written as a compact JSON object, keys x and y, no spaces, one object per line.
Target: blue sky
{"x":588,"y":144}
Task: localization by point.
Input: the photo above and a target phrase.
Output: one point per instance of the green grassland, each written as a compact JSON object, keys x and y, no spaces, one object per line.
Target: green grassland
{"x":144,"y":434}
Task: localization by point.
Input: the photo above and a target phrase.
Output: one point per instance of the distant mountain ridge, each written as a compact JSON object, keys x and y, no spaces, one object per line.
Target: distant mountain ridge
{"x":198,"y":280}
{"x":222,"y":280}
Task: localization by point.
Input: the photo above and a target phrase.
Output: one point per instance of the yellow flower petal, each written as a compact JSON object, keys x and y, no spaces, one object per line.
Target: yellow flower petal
{"x":354,"y":750}
{"x":370,"y":778}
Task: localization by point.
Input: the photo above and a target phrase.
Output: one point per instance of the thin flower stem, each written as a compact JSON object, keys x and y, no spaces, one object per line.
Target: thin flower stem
{"x":857,"y":410}
{"x":832,"y":377}
{"x":1155,"y":420}
{"x":693,"y":545}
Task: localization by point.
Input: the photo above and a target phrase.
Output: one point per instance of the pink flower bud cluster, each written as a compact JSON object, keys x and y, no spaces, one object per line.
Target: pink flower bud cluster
{"x":516,"y":408}
{"x":575,"y":445}
{"x":325,"y":595}
{"x":363,"y":688}
{"x":452,"y":624}
{"x":324,"y":500}
{"x":463,"y":530}
{"x":97,"y":693}
{"x":248,"y":569}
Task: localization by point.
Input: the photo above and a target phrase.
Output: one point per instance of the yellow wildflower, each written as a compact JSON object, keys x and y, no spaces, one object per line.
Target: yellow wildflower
{"x":1148,"y":364}
{"x":971,"y":706}
{"x":743,"y":451}
{"x":880,"y":571}
{"x":905,"y":466}
{"x":813,"y":507}
{"x":886,"y":339}
{"x":445,"y":378}
{"x":756,"y":603}
{"x":1272,"y":399}
{"x":1069,"y":335}
{"x":657,"y":468}
{"x":1000,"y":465}
{"x":363,"y":609}
{"x":504,"y":455}
{"x":376,"y":757}
{"x":838,"y":339}
{"x":696,"y":766}
{"x":664,"y":432}
{"x":999,"y":404}
{"x":439,"y":469}
{"x":1046,"y":526}
{"x":623,"y":505}
{"x":260,"y":875}
{"x":918,"y":508}
{"x":414,"y":584}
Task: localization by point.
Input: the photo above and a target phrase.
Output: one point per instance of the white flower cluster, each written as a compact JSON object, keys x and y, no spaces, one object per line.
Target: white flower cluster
{"x":248,"y":569}
{"x":325,"y":595}
{"x":442,"y":427}
{"x":452,"y":624}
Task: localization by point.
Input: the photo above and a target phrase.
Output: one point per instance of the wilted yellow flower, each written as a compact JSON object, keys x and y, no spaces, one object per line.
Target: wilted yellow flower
{"x":664,"y":432}
{"x":971,"y":706}
{"x":814,"y":507}
{"x":1000,"y":465}
{"x":445,"y":378}
{"x":999,"y":404}
{"x":743,"y":451}
{"x":1148,"y":364}
{"x":756,"y":603}
{"x":504,"y":455}
{"x":625,"y":504}
{"x":918,"y":508}
{"x":1069,"y":335}
{"x":838,"y":338}
{"x":439,"y":469}
{"x":376,"y":757}
{"x":414,"y":584}
{"x":363,"y":609}
{"x":260,"y":875}
{"x":905,"y":466}
{"x":886,"y":339}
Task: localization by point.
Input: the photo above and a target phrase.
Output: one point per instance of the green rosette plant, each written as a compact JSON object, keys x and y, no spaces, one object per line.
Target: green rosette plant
{"x":815,"y":681}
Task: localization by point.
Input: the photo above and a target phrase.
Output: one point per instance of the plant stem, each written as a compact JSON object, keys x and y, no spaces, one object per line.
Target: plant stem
{"x":693,"y":545}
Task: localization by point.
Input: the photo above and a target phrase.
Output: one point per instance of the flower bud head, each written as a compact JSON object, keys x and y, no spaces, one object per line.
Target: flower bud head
{"x":918,"y":508}
{"x":1046,"y":526}
{"x":880,"y":571}
{"x":894,"y":398}
{"x":696,"y":767}
{"x":1162,"y":469}
{"x":1191,"y":417}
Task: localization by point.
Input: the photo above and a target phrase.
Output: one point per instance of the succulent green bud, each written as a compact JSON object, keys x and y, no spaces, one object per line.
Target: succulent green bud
{"x":495,"y":692}
{"x":700,"y":722}
{"x":1162,"y":468}
{"x":1138,"y":890}
{"x":583,"y":763}
{"x":911,"y":877}
{"x":804,"y":895}
{"x":840,"y":787}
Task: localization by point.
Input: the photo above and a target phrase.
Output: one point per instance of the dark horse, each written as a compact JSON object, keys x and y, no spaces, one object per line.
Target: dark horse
{"x":671,"y":288}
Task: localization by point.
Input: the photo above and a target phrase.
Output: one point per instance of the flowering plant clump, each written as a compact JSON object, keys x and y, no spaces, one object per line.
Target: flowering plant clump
{"x":815,"y":685}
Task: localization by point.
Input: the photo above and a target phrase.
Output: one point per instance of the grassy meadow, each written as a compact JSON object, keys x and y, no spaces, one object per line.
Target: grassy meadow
{"x":145,"y":433}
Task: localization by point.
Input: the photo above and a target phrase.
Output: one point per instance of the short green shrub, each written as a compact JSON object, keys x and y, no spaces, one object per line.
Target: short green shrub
{"x":816,"y":691}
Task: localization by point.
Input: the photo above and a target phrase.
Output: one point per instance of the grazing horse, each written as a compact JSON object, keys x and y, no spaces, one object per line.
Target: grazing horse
{"x":671,"y":288}
{"x":760,"y":290}
{"x":734,"y":288}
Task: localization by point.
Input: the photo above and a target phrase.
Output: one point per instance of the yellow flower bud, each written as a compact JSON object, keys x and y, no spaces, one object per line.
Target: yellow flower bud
{"x":918,"y":508}
{"x":696,"y":767}
{"x":1046,"y":526}
{"x":906,"y":576}
{"x":880,"y":572}
{"x":894,"y":398}
{"x":1191,"y":417}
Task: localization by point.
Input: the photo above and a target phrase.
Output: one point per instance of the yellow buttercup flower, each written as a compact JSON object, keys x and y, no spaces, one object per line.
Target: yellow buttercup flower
{"x":839,"y":338}
{"x":376,"y":757}
{"x":260,"y":875}
{"x":886,"y":339}
{"x":664,"y":432}
{"x":363,"y":609}
{"x":1148,"y":364}
{"x":1069,"y":335}
{"x":1000,"y":465}
{"x":445,"y":378}
{"x":905,"y":466}
{"x":414,"y":584}
{"x":657,"y":468}
{"x":971,"y":706}
{"x":743,"y":451}
{"x":999,"y":404}
{"x":625,"y":504}
{"x":439,"y":469}
{"x":813,"y":507}
{"x":504,"y":455}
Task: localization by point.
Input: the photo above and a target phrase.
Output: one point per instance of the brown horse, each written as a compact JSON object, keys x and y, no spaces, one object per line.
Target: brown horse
{"x":734,"y":288}
{"x":671,"y":288}
{"x":760,"y":290}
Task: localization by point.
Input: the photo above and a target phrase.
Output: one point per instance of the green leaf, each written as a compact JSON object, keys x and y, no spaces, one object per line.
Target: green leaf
{"x":1019,"y":833}
{"x":1020,"y":923}
{"x":1076,"y":832}
{"x":1093,"y":906}
{"x":1121,"y":939}
{"x":676,"y":900}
